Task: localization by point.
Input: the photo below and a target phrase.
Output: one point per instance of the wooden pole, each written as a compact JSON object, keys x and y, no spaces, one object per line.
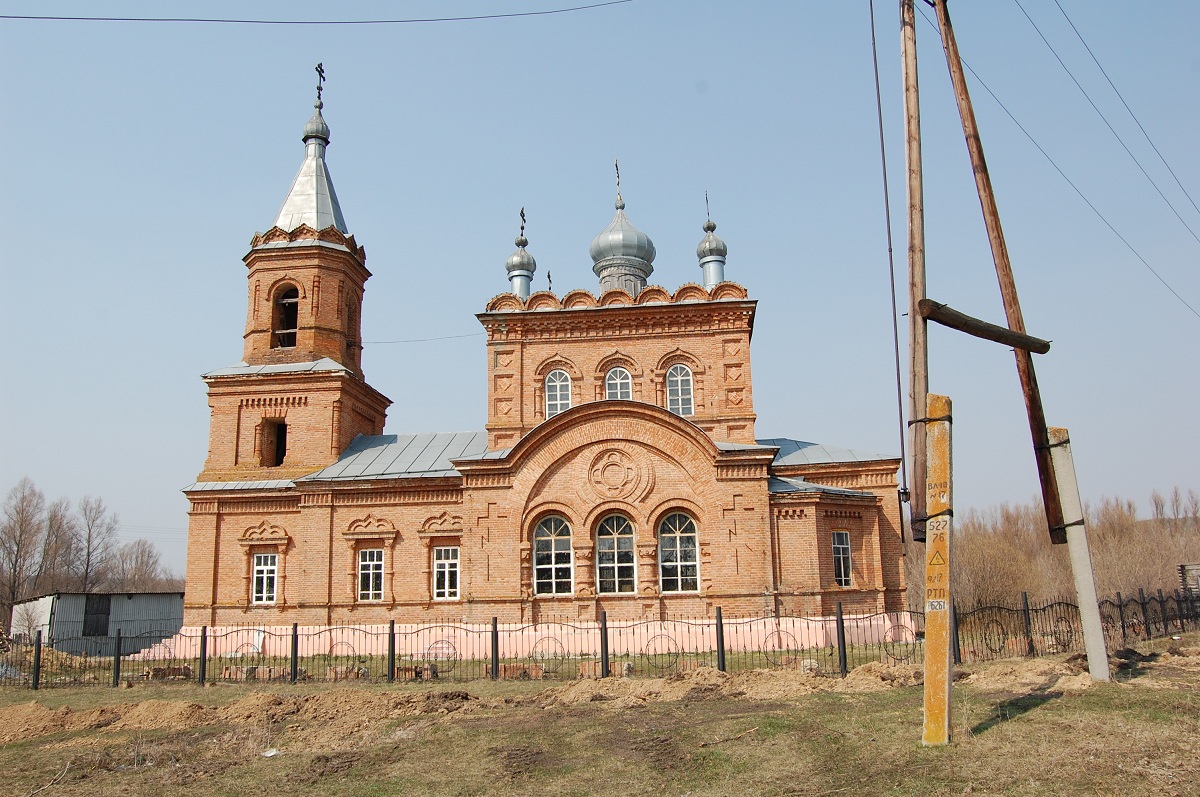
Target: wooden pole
{"x":918,"y":348}
{"x":949,"y":317}
{"x":939,"y":598}
{"x":1008,"y":288}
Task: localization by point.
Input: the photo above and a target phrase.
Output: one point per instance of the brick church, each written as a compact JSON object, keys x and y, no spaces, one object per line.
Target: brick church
{"x":618,"y":469}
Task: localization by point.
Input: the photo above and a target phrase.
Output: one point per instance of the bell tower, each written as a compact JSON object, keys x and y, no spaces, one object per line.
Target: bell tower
{"x":299,"y":396}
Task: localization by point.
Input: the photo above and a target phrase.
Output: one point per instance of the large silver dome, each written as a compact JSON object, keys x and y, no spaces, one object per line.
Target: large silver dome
{"x":620,"y":240}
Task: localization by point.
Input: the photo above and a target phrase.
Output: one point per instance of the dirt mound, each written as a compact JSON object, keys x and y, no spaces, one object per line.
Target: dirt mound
{"x":162,"y":714}
{"x":1018,"y":675}
{"x":33,"y":719}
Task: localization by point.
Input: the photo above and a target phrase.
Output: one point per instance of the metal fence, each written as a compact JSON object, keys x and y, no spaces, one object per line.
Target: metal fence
{"x":562,"y":650}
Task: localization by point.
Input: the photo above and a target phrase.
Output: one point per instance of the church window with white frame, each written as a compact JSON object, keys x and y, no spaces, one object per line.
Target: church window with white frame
{"x":678,"y":554}
{"x":841,"y":558}
{"x":558,"y":392}
{"x":370,"y":574}
{"x":553,"y":565}
{"x":445,"y":573}
{"x":618,"y":384}
{"x":616,"y":567}
{"x":679,"y":390}
{"x":266,"y":567}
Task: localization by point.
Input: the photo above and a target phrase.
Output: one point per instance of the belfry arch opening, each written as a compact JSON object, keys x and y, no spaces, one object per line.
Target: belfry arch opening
{"x":285,"y":318}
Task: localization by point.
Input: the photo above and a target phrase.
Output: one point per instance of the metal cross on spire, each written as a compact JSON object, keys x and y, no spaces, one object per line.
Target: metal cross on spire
{"x":707,"y":209}
{"x":617,"y":166}
{"x":320,"y":82}
{"x":522,"y":222}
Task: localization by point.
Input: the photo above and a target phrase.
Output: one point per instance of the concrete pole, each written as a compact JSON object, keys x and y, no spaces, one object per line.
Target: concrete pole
{"x":1081,"y":558}
{"x":939,"y":629}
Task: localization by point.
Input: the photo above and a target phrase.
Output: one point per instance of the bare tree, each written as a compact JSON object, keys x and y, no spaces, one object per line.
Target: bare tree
{"x":138,"y":568}
{"x":20,"y":537}
{"x":60,"y":542}
{"x":97,"y":542}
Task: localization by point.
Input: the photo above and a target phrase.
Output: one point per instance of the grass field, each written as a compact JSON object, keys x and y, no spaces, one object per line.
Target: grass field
{"x":1022,"y":727}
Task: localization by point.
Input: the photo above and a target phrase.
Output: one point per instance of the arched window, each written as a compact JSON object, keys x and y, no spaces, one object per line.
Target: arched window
{"x":558,"y":392}
{"x":678,"y":554}
{"x":284,"y":318}
{"x":679,"y":390}
{"x":618,"y":384}
{"x":552,"y":568}
{"x":615,"y":568}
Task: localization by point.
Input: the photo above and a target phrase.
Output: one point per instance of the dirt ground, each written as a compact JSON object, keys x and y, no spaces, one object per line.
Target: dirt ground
{"x":1022,"y":726}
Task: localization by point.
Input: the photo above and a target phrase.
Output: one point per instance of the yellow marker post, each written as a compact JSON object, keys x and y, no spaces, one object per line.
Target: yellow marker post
{"x":938,"y":506}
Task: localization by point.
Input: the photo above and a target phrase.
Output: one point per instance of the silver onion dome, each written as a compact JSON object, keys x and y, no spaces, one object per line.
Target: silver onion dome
{"x":520,"y":264}
{"x":623,"y":255}
{"x":316,"y":127}
{"x":712,"y":251}
{"x":520,"y":260}
{"x":711,"y":245}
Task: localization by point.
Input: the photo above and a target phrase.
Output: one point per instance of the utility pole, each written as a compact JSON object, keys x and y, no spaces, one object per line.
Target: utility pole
{"x":1008,"y":288}
{"x":918,"y":347}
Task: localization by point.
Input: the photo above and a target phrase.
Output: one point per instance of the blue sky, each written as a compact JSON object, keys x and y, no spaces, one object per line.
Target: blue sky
{"x":141,"y":158}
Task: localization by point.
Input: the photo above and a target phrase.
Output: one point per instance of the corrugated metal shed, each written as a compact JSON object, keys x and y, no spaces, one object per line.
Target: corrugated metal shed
{"x":87,"y":623}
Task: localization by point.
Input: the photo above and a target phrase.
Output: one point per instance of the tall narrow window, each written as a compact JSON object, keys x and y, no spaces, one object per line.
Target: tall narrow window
{"x":615,"y":566}
{"x":558,"y":392}
{"x":679,"y":390}
{"x":678,"y":554}
{"x":265,"y":568}
{"x":370,"y":574}
{"x":445,"y":573}
{"x":553,"y":572}
{"x":841,"y":558}
{"x":280,"y":433}
{"x":287,"y":312}
{"x":618,"y":384}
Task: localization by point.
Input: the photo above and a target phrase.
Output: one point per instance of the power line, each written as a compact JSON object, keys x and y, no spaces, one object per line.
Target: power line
{"x":421,"y":340}
{"x":1063,"y":174}
{"x":1127,"y":108}
{"x":47,"y":18}
{"x":1104,"y":118}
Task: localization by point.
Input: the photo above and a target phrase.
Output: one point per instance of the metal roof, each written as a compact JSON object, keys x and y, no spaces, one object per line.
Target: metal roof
{"x":777,"y":485}
{"x":312,"y":200}
{"x":323,"y":364}
{"x":799,"y":452}
{"x":269,"y":484}
{"x":390,"y":456}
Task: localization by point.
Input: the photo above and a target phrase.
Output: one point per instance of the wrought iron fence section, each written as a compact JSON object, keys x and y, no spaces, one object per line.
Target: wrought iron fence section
{"x":567,"y":650}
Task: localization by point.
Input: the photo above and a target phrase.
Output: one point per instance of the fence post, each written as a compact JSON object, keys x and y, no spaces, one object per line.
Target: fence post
{"x":841,"y":640}
{"x":203,"y":667}
{"x":720,"y":641}
{"x":1179,"y":612}
{"x":1145,"y":614}
{"x":295,"y":652}
{"x":1121,"y":615}
{"x":391,"y":676}
{"x":1162,"y":612}
{"x":117,"y":659}
{"x":604,"y":645}
{"x":956,"y":643}
{"x":495,"y":648}
{"x":1029,"y":651}
{"x":37,"y":658}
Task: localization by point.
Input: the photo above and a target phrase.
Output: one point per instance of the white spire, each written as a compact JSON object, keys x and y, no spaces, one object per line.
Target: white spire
{"x":312,"y":200}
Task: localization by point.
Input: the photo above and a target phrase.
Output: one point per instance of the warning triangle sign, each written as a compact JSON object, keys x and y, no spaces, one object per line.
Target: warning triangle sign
{"x":937,"y":559}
